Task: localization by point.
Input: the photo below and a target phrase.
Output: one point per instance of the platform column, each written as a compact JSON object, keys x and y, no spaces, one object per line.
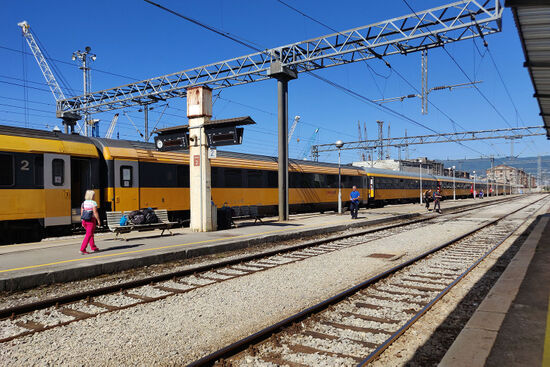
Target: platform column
{"x":199,"y":111}
{"x":283,"y":74}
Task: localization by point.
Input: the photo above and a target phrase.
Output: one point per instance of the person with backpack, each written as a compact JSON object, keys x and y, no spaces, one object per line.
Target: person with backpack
{"x":90,"y":219}
{"x":437,"y":198}
{"x":427,"y":197}
{"x":354,"y":202}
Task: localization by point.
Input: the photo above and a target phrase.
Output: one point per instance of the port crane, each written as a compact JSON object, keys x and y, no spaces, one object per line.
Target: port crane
{"x":48,"y":74}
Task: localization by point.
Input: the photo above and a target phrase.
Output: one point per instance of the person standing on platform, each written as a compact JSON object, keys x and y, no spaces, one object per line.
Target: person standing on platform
{"x":90,"y":219}
{"x":427,"y":197}
{"x":481,"y":194}
{"x":354,"y":202}
{"x":437,"y":199}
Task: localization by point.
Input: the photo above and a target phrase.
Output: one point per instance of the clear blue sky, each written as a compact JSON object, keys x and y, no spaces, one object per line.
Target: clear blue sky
{"x":133,"y":39}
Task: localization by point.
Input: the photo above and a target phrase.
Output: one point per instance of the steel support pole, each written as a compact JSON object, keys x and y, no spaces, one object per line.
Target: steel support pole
{"x":339,"y":186}
{"x":146,"y":127}
{"x":454,"y":186}
{"x":282,"y":96}
{"x":420,"y":183}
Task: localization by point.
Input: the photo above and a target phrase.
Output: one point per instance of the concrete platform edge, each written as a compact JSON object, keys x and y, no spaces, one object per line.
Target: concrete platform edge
{"x":91,"y":270}
{"x":474,"y":343}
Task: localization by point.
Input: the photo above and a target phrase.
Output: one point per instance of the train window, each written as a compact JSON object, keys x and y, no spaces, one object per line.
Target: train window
{"x":233,"y":177}
{"x":39,"y":171}
{"x":318,"y":180}
{"x":126,"y":176}
{"x":6,"y":170}
{"x":255,"y":178}
{"x":58,"y":172}
{"x":332,"y":181}
{"x":272,"y":179}
{"x":183,"y":175}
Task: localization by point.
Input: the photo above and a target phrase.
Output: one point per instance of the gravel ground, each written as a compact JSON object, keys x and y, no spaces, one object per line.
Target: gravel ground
{"x":425,"y":343}
{"x":12,"y":299}
{"x":184,"y":327}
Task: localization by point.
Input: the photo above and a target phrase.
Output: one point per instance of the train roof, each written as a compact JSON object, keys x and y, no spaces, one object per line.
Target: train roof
{"x":130,"y":144}
{"x":18,"y":139}
{"x":42,"y":134}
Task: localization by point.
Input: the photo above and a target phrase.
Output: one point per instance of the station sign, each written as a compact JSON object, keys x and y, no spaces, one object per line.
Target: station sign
{"x":174,"y":141}
{"x":229,"y":135}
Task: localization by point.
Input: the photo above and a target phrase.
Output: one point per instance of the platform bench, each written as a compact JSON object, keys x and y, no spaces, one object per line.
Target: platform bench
{"x":245,"y":212}
{"x":113,"y":222}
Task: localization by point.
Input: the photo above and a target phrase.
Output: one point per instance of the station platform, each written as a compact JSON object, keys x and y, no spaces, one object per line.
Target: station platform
{"x":57,"y":260}
{"x":511,"y":327}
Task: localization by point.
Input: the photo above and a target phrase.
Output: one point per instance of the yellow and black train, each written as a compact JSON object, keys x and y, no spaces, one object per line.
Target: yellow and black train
{"x":44,"y":175}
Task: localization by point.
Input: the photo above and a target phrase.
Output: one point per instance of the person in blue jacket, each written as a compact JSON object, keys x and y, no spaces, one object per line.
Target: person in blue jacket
{"x":354,"y":202}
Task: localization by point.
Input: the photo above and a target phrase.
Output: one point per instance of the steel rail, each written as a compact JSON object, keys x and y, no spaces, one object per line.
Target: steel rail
{"x":265,"y":333}
{"x":65,"y":299}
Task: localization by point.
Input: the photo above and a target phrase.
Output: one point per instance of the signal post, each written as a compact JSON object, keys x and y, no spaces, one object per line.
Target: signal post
{"x":201,"y":134}
{"x":199,"y":112}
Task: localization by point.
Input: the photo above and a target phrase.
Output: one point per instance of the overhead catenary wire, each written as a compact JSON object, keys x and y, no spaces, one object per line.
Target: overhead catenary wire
{"x":332,"y":83}
{"x":386,"y":62}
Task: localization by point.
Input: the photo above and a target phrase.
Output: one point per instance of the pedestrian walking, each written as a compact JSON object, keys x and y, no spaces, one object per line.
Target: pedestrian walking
{"x":481,"y":194}
{"x":354,"y":202}
{"x":437,"y":199}
{"x":427,"y":197}
{"x":90,"y":219}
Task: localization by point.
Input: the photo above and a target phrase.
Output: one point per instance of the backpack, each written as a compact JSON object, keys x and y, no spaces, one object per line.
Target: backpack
{"x":138,"y":219}
{"x":87,"y":215}
{"x":123,"y":220}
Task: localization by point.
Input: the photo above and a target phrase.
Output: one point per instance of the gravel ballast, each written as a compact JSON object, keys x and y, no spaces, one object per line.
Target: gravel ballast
{"x":182,"y":328}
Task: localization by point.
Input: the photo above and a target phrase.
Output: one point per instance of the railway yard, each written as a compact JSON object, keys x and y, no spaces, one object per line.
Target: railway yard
{"x":264,"y":226}
{"x":395,"y":288}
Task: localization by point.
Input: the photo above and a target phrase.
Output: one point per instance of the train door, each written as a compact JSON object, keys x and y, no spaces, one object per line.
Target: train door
{"x":81,"y":181}
{"x":57,"y":189}
{"x":126,"y":185}
{"x":371,"y":187}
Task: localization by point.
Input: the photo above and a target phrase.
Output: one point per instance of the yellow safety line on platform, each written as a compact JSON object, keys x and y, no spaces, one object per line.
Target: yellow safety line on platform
{"x":149,"y":249}
{"x":546,"y":355}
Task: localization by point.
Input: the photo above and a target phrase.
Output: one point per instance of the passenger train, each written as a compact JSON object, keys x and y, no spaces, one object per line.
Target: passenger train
{"x":44,"y":175}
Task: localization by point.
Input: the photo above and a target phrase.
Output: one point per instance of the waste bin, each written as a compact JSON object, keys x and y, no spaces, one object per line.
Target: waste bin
{"x":224,"y":217}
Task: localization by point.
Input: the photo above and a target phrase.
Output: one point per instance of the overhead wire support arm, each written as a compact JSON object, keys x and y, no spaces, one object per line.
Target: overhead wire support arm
{"x":517,"y":132}
{"x":449,"y":23}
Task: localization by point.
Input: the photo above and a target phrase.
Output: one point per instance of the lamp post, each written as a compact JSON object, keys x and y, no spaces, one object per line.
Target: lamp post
{"x":420,"y":183}
{"x":86,"y":57}
{"x":339,"y":144}
{"x":474,"y":184}
{"x":454,"y":187}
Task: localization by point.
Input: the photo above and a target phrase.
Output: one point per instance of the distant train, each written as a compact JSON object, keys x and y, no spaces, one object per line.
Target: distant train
{"x":44,"y":175}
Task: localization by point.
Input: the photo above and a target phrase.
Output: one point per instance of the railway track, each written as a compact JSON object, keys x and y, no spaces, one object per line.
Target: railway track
{"x":355,"y":326}
{"x":34,"y":317}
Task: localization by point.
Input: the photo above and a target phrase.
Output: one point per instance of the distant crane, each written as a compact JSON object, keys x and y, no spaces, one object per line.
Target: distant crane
{"x":296,"y":120}
{"x":47,"y":72}
{"x":112,"y":126}
{"x":308,"y":146}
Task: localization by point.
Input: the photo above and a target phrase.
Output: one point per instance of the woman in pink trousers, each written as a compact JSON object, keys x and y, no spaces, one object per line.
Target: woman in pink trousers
{"x":90,"y":219}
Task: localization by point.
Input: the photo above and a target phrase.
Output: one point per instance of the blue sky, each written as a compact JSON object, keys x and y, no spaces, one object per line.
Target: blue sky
{"x":134,"y":40}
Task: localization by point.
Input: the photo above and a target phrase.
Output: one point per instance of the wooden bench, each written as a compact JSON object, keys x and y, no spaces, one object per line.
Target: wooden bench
{"x":245,"y":212}
{"x":113,"y":222}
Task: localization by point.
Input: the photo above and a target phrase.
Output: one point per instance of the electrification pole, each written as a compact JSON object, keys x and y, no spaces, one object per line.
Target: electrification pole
{"x":85,"y":57}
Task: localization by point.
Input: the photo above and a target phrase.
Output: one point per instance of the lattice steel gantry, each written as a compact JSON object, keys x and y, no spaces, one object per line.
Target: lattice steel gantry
{"x":422,"y":30}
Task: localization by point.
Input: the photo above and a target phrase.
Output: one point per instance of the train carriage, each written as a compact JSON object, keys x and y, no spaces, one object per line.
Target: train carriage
{"x":139,"y":176}
{"x":44,"y":175}
{"x":43,"y":178}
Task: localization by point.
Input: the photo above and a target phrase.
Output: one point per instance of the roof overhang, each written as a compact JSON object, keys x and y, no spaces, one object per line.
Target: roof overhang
{"x":532,"y":18}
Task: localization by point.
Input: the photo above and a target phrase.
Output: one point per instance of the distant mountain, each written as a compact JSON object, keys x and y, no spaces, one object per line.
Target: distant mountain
{"x":528,"y":164}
